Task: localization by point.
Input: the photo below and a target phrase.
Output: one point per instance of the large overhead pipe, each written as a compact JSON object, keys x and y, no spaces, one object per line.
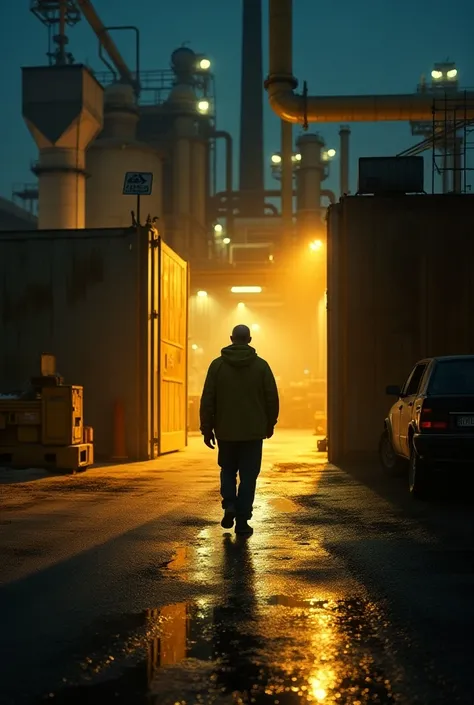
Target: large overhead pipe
{"x":344,"y":134}
{"x":251,"y":110}
{"x":290,"y":106}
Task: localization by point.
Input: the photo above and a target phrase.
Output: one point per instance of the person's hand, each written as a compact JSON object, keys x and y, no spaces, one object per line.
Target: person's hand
{"x":270,"y":432}
{"x":210,"y":440}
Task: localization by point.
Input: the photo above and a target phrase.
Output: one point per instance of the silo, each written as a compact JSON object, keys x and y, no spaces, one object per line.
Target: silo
{"x":63,"y":108}
{"x":189,"y":174}
{"x":310,"y":174}
{"x":115,"y":152}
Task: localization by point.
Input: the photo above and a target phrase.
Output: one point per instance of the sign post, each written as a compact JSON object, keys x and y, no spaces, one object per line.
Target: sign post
{"x":138,"y":183}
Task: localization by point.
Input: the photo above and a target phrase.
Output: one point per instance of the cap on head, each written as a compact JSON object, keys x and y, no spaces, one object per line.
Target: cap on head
{"x":241,"y":335}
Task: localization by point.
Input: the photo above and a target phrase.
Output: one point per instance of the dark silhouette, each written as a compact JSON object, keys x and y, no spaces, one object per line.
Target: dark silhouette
{"x":239,"y":408}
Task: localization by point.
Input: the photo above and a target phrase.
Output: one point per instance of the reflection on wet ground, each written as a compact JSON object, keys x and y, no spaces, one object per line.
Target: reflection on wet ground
{"x":244,"y":649}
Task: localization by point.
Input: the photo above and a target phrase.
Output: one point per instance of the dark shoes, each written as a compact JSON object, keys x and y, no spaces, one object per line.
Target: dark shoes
{"x":242,"y":528}
{"x":228,"y":518}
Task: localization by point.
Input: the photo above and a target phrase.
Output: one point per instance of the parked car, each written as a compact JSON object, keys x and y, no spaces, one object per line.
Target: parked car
{"x":431,"y":425}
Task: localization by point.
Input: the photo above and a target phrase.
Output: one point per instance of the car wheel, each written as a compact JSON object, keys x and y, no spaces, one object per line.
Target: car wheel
{"x":418,"y":477}
{"x":388,"y":458}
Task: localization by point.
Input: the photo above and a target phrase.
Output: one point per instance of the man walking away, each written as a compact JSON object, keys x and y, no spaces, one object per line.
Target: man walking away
{"x":239,"y":408}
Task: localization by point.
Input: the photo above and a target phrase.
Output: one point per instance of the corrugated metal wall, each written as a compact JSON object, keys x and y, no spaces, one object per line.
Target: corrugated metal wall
{"x":74,"y":294}
{"x":85,"y":296}
{"x":400,"y":288}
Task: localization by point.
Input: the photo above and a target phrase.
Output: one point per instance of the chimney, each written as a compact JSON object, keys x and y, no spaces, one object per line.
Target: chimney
{"x":251,"y":112}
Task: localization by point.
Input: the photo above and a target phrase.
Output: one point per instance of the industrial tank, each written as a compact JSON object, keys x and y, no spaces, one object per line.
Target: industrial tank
{"x":115,"y":152}
{"x":190,"y":174}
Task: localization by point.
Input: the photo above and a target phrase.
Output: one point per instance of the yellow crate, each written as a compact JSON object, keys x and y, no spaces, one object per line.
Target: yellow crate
{"x":62,"y":415}
{"x":73,"y":457}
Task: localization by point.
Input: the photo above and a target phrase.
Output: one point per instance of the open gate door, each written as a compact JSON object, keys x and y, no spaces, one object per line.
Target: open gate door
{"x":173,"y":343}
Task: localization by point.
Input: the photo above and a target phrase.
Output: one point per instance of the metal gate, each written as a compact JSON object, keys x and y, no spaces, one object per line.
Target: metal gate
{"x":173,"y":348}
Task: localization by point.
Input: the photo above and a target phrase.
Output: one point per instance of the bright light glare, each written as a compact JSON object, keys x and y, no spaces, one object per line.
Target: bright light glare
{"x":255,"y":327}
{"x":436,"y":74}
{"x":297,"y":157}
{"x":226,"y":241}
{"x":205,"y":64}
{"x":315,"y":245}
{"x":241,"y":305}
{"x":306,"y":372}
{"x":202,"y":294}
{"x":276,"y":159}
{"x":194,"y":346}
{"x":203,"y":106}
{"x":452,"y":73}
{"x":246,"y":290}
{"x":218,"y":229}
{"x":331,"y":153}
{"x":271,"y":258}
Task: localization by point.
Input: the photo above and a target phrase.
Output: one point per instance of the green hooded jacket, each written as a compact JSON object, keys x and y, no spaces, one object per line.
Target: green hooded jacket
{"x":240,"y":397}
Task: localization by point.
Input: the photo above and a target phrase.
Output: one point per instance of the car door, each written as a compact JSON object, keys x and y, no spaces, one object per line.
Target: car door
{"x":394,"y":419}
{"x":409,"y":394}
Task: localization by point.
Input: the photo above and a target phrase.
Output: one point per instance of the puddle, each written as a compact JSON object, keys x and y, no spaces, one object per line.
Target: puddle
{"x":282,"y":651}
{"x":281,"y":504}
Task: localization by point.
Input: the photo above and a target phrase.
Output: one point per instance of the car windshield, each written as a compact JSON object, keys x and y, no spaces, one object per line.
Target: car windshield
{"x":453,"y":377}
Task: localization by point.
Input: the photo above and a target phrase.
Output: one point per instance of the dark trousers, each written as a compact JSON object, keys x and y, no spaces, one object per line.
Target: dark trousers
{"x":245,"y":459}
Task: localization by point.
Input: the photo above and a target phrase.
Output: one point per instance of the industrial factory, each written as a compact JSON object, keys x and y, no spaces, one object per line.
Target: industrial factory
{"x":130,"y":264}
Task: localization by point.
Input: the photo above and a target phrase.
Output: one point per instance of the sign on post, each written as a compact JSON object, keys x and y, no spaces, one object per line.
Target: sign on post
{"x":138,"y":183}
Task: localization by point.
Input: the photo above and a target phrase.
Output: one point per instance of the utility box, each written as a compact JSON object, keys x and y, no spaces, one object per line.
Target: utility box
{"x":391,"y":175}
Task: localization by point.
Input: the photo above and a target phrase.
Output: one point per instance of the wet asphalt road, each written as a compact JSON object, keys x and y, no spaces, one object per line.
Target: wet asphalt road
{"x":119,"y":586}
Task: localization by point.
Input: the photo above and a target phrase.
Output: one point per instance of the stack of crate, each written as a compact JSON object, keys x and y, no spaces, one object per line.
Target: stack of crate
{"x":44,"y":427}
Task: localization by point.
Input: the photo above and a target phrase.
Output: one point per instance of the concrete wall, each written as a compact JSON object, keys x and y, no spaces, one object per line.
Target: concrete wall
{"x":400,"y":288}
{"x":74,"y":294}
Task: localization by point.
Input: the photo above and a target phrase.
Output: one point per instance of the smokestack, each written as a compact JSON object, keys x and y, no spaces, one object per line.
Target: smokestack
{"x":251,"y":112}
{"x":344,"y":134}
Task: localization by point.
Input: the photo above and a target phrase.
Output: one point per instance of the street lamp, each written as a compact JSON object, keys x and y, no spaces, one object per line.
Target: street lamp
{"x":203,"y":107}
{"x":315,"y":245}
{"x":226,"y":241}
{"x":202,"y":294}
{"x":246,"y":289}
{"x":328,"y":154}
{"x":218,"y":229}
{"x":204,"y":64}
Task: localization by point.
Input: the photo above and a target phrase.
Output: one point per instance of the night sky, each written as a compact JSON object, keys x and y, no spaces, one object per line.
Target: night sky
{"x":343,"y":47}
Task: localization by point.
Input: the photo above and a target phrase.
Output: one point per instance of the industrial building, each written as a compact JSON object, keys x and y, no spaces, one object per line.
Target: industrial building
{"x":116,"y":267}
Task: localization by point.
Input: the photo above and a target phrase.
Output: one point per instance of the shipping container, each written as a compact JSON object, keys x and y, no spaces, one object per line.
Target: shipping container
{"x":400,"y":288}
{"x":111,"y":304}
{"x":390,"y":175}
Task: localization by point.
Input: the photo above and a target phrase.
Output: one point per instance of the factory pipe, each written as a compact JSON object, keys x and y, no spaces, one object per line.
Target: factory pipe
{"x":105,"y":39}
{"x":229,"y":171}
{"x":344,"y":135}
{"x":302,"y":109}
{"x":287,"y":181}
{"x":276,"y":193}
{"x":330,"y":195}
